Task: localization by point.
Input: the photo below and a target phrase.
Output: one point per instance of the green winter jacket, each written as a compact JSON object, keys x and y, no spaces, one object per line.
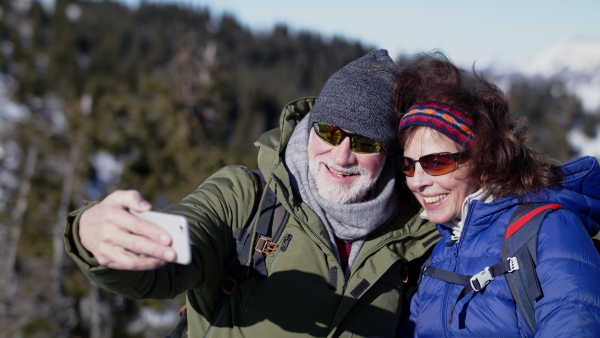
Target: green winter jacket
{"x":305,"y":293}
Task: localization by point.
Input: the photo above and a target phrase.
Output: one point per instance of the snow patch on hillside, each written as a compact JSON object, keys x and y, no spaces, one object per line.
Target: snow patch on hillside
{"x":576,"y":62}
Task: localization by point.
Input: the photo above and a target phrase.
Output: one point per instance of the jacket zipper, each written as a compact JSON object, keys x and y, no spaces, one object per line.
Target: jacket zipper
{"x":286,"y":241}
{"x":445,"y":312}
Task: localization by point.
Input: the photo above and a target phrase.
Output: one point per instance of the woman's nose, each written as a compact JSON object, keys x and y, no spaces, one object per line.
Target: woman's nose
{"x":420,"y":179}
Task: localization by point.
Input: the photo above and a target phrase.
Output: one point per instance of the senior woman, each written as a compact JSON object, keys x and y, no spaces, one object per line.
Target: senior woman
{"x":466,"y":161}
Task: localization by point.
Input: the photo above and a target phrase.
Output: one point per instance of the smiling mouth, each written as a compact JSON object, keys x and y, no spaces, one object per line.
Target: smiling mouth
{"x":340,"y":173}
{"x":434,"y":199}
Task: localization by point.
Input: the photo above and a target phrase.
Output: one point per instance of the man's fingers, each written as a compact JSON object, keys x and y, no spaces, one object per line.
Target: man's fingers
{"x":121,"y":259}
{"x":143,"y":246}
{"x":141,"y":227}
{"x":112,"y":234}
{"x":129,"y":199}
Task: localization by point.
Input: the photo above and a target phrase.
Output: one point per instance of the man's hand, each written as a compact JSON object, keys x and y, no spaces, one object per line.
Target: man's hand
{"x":120,"y":240}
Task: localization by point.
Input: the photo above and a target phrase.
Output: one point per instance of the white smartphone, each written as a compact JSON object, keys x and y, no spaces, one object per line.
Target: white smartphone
{"x":177,"y":227}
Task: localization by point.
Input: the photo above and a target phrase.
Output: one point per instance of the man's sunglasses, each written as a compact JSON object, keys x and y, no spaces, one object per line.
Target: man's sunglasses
{"x":334,"y":136}
{"x":433,"y":164}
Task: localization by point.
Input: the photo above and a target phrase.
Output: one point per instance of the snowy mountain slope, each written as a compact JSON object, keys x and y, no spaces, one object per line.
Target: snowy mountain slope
{"x":576,"y":62}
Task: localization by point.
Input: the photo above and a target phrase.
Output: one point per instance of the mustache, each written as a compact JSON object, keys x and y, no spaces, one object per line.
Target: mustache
{"x":347,"y":170}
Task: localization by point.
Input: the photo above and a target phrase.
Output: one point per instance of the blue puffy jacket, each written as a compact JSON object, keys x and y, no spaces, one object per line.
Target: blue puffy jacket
{"x":568,"y":269}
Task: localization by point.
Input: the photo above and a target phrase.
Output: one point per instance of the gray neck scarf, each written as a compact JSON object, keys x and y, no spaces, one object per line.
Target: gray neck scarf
{"x":348,"y":222}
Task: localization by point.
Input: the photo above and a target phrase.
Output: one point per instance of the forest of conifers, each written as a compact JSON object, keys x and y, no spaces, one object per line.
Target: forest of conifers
{"x":169,"y":93}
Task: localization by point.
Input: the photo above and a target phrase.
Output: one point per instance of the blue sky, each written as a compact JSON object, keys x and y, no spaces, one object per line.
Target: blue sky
{"x":497,"y":33}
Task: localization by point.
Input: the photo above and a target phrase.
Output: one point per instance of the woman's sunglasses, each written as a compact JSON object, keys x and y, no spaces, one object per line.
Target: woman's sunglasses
{"x":334,"y":136}
{"x":433,"y":164}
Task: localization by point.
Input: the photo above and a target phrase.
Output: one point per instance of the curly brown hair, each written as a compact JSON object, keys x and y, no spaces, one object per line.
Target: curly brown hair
{"x":505,"y":164}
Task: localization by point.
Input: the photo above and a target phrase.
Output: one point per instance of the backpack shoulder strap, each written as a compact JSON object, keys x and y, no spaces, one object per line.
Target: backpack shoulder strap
{"x":520,"y":241}
{"x":272,"y":217}
{"x":258,"y":238}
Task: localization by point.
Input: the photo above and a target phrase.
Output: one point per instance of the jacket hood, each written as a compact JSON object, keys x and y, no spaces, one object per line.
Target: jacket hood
{"x":273,"y":142}
{"x":580,"y":191}
{"x":271,"y":145}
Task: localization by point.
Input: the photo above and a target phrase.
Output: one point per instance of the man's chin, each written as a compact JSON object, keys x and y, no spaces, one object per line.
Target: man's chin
{"x":340,"y":194}
{"x":336,"y":198}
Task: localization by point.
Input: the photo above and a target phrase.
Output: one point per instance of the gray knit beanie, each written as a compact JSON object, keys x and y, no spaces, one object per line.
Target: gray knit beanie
{"x":358,"y":98}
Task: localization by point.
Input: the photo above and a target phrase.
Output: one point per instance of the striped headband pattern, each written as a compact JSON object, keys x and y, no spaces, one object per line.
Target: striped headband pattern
{"x":443,"y":118}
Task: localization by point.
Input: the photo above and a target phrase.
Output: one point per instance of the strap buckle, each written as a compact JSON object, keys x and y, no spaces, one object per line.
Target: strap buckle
{"x":265,"y":246}
{"x":513,"y":264}
{"x":483,"y":278}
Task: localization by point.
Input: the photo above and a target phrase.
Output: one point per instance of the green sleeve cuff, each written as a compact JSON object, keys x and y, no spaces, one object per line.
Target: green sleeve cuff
{"x":73,"y":245}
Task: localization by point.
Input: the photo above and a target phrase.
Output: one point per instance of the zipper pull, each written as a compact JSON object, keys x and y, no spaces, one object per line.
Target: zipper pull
{"x":286,"y":241}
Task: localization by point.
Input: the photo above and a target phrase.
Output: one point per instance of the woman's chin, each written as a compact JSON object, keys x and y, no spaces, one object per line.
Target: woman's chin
{"x":438,"y":218}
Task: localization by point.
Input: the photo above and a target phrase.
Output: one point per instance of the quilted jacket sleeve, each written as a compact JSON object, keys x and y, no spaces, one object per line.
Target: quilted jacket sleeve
{"x":569,"y":273}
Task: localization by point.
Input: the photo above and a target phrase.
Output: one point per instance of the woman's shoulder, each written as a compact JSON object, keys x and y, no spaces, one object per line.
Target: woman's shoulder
{"x":563,"y":235}
{"x":563,"y":221}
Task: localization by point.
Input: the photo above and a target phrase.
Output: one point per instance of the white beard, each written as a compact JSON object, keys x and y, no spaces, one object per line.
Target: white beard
{"x":341,"y":194}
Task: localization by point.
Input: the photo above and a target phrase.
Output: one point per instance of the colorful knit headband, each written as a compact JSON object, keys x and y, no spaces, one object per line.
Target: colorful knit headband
{"x":443,"y":118}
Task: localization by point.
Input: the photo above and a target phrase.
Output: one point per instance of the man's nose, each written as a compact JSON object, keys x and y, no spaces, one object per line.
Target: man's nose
{"x":342,"y":154}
